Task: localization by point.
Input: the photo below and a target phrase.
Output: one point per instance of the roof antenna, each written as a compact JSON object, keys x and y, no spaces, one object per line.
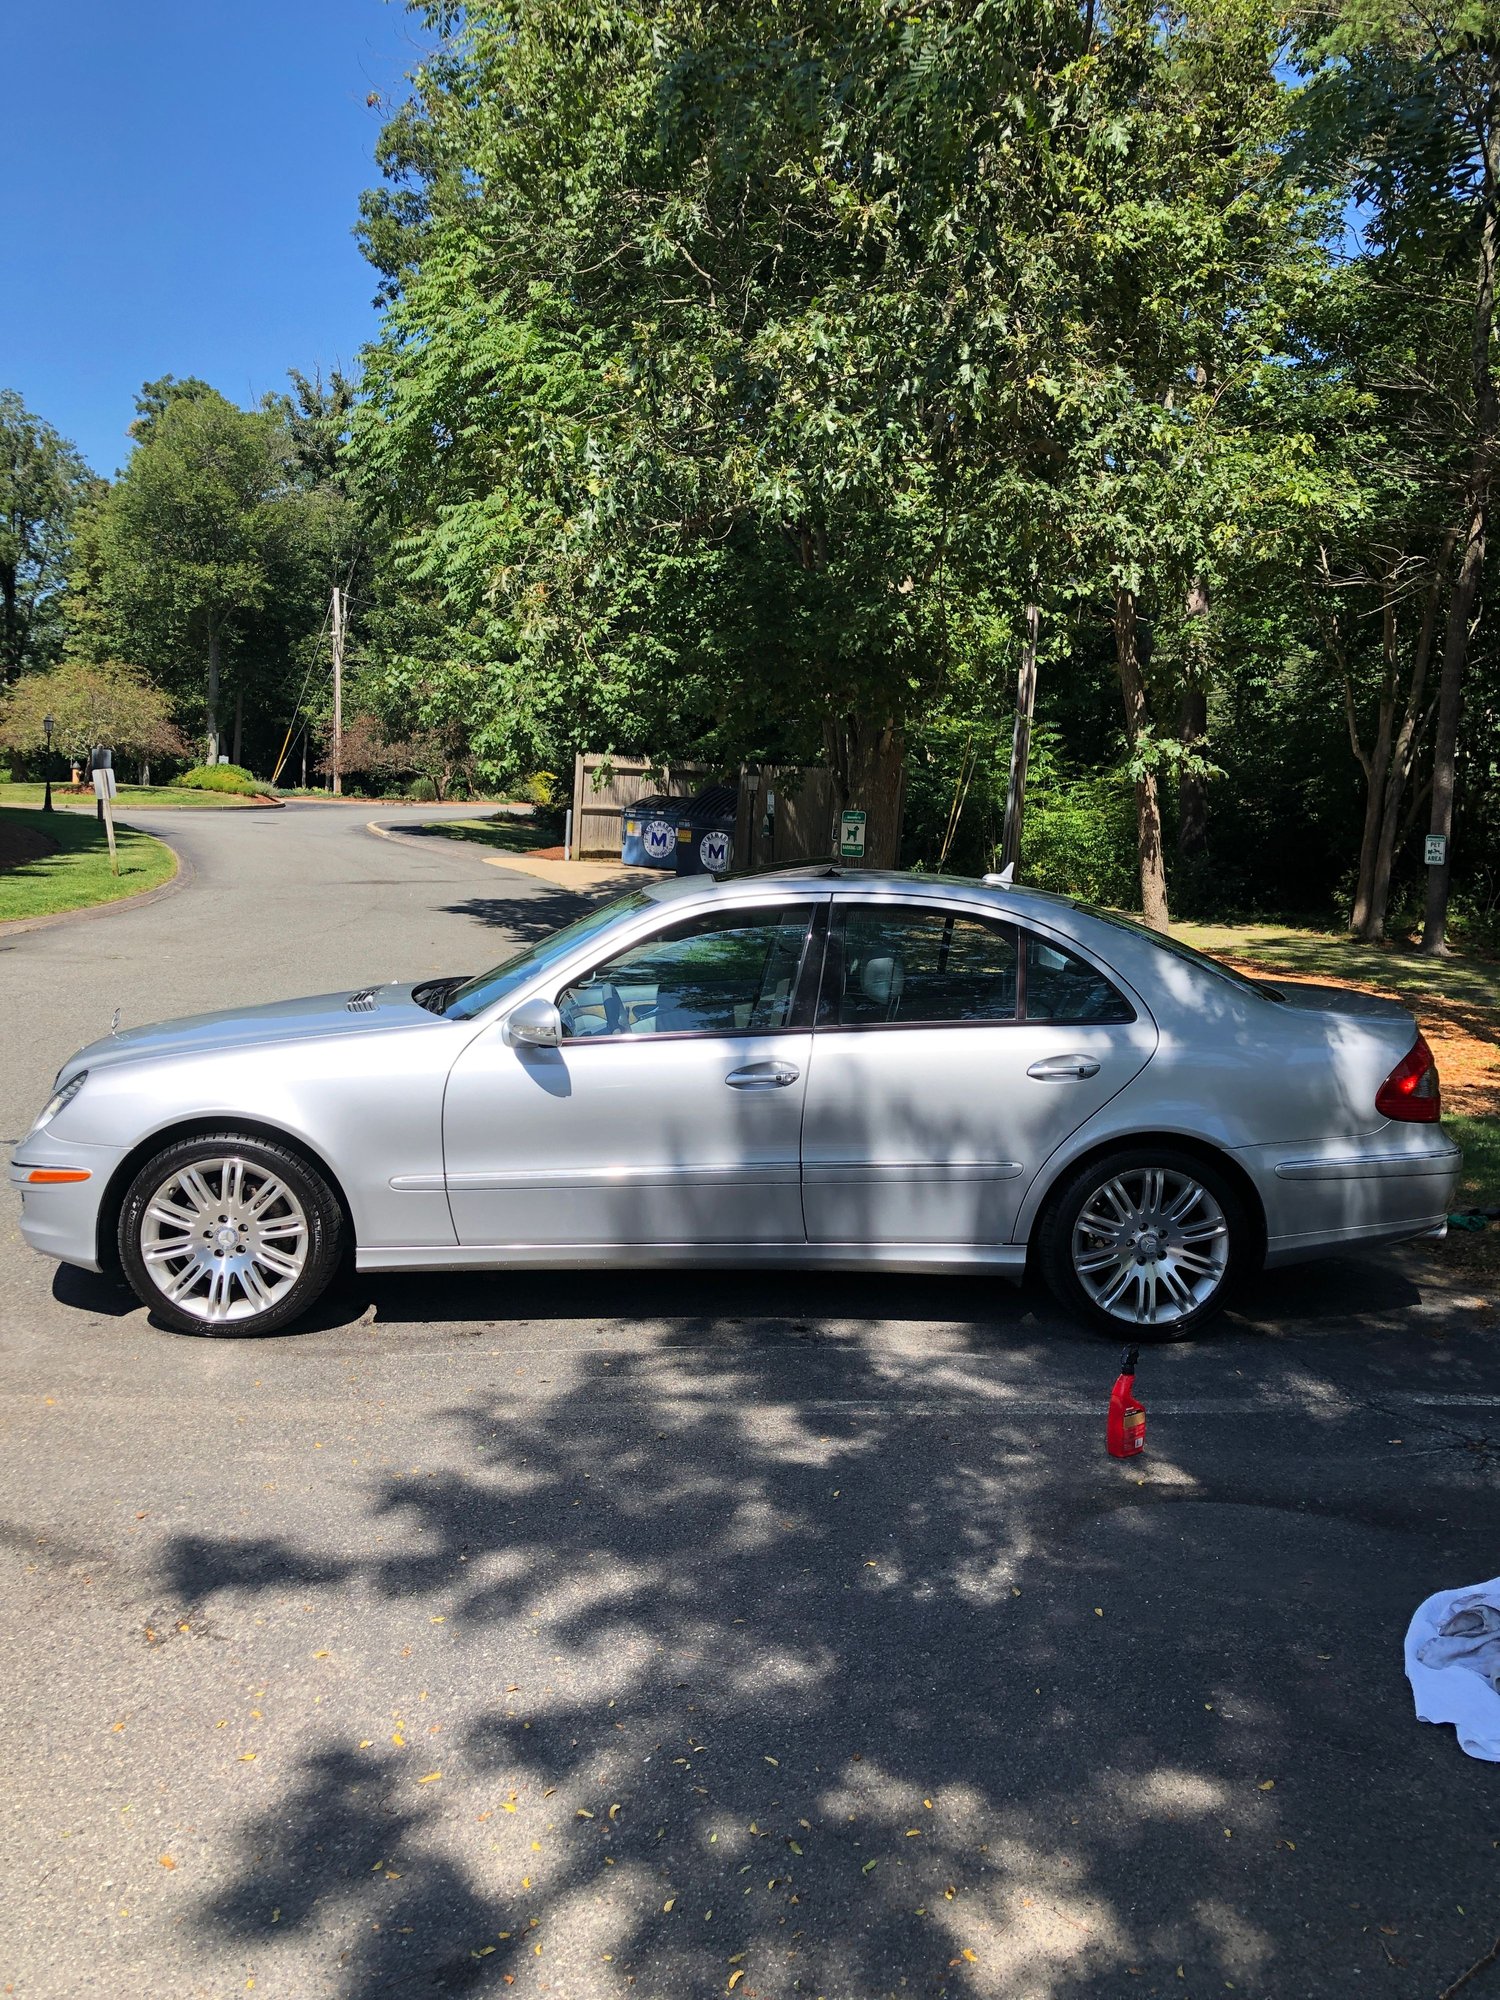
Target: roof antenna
{"x":1006,"y":879}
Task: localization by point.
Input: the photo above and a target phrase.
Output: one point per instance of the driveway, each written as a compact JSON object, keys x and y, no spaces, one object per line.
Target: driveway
{"x":683,"y":1635}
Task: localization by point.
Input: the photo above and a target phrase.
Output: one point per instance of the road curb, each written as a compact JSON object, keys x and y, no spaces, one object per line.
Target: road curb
{"x":181,"y":875}
{"x":608,"y":880}
{"x":401,"y":839}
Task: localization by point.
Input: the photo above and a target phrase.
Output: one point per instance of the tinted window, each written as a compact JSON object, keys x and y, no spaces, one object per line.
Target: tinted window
{"x":906,"y":965}
{"x":504,"y":978}
{"x":1175,"y":948}
{"x":1063,"y":988}
{"x":710,"y":976}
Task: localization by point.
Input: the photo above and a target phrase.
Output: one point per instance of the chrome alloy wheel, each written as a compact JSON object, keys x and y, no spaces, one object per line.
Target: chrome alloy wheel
{"x":224,"y":1239}
{"x":1150,"y":1246}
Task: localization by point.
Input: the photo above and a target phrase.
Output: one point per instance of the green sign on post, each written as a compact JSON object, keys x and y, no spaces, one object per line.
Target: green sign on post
{"x":852,"y":836}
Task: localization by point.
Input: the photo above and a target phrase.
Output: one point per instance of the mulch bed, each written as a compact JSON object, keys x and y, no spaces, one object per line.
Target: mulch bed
{"x":20,"y":844}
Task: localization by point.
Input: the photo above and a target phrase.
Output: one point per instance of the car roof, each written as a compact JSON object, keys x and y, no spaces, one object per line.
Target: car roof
{"x":822,"y":877}
{"x":1145,"y":963}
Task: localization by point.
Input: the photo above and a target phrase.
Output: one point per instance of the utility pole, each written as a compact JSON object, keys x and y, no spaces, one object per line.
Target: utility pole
{"x":1020,"y":749}
{"x":338,"y":690}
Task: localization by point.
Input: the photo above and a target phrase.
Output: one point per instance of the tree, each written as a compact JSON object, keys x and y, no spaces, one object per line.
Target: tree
{"x":91,"y":703}
{"x":185,"y":542}
{"x":1407,"y":103}
{"x":42,"y":479}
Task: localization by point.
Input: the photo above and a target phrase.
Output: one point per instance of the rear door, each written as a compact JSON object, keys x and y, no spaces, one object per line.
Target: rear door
{"x":952,"y":1054}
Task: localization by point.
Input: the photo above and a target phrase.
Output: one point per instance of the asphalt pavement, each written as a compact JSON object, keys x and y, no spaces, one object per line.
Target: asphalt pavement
{"x":687,"y":1634}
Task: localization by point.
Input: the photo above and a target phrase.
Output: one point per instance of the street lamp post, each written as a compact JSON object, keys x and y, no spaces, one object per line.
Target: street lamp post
{"x":47,"y":727}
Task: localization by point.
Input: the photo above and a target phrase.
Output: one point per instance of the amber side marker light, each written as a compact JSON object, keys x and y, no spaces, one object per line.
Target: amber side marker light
{"x":47,"y":1174}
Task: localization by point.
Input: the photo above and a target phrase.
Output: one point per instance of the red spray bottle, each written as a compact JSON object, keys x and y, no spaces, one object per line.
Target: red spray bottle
{"x":1125,"y":1427}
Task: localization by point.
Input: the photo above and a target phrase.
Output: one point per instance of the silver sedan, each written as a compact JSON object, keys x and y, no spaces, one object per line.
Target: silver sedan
{"x":847,"y":1071}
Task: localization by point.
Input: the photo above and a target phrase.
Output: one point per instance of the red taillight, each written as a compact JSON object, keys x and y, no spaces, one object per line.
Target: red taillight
{"x":1411,"y":1090}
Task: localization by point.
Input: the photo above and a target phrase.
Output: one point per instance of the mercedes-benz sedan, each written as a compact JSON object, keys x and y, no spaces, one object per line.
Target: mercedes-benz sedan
{"x":848,"y":1071}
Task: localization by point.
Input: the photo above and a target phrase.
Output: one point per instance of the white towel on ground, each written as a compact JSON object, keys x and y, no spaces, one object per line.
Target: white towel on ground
{"x":1453,"y":1664}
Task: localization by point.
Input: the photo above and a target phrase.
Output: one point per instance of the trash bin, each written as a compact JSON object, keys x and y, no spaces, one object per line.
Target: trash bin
{"x":648,"y":837}
{"x":705,"y":831}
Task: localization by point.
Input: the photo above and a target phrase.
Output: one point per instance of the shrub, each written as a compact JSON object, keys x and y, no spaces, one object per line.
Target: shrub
{"x":540,"y":788}
{"x":423,"y":790}
{"x":1079,"y":837}
{"x":219,"y":778}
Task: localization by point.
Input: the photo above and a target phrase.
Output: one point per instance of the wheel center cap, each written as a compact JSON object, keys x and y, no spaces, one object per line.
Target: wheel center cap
{"x":1148,"y":1248}
{"x":227,"y":1237}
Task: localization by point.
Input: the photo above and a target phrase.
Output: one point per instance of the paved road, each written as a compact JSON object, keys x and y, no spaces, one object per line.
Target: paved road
{"x":547,"y":1634}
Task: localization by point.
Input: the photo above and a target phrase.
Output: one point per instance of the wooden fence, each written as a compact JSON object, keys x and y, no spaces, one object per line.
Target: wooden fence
{"x":783,"y":815}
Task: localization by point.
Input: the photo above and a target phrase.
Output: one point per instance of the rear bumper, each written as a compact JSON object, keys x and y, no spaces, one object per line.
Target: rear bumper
{"x":1395,"y":1184}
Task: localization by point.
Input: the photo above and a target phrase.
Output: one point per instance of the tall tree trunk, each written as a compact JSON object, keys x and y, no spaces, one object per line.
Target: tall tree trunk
{"x":868,"y":763}
{"x":1464,"y":601}
{"x":1147,"y":804}
{"x":1020,"y":747}
{"x":1192,"y":727}
{"x":10,"y":624}
{"x":1377,"y":767}
{"x":1403,"y":755}
{"x":213,"y":691}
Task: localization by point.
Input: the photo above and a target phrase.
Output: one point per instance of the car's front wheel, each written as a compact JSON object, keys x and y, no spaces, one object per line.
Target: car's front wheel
{"x":229,"y":1234}
{"x":1144,"y":1243}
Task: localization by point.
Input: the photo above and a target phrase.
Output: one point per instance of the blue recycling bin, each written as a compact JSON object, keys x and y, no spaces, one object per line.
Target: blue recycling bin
{"x":705,"y":831}
{"x":648,"y":832}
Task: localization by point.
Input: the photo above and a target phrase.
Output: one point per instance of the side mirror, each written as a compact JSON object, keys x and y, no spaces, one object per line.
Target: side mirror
{"x":535,"y":1024}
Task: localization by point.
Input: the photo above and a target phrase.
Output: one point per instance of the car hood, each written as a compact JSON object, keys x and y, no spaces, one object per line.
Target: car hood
{"x":358,"y":1011}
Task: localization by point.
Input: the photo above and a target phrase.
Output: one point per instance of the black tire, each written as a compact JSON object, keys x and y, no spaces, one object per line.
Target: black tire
{"x":1083,"y":1192}
{"x":302,"y":1226}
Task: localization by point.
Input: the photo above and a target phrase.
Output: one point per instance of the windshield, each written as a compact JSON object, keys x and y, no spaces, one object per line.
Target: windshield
{"x":477,"y":994}
{"x":1177,"y":949}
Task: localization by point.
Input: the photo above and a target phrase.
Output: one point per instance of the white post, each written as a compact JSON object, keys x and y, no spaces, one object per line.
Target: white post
{"x":338,"y":690}
{"x":568,"y":836}
{"x":104,"y":791}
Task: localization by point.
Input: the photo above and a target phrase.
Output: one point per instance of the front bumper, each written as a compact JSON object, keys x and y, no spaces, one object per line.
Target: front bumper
{"x":61,"y":1218}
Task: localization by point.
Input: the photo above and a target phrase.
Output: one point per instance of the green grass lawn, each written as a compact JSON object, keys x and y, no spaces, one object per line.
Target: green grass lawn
{"x":153,"y":796}
{"x":1465,"y":977}
{"x":1480,"y":1139}
{"x":77,"y":874}
{"x":508,"y":832}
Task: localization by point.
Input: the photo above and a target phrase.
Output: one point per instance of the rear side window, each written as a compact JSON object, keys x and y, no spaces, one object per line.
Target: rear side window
{"x":905,"y":966}
{"x":1064,"y":988}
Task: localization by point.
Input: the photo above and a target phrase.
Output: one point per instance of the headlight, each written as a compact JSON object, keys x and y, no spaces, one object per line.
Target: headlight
{"x":64,"y":1096}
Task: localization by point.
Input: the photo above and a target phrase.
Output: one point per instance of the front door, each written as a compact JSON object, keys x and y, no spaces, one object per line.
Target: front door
{"x":953,"y":1054}
{"x":671,"y":1113}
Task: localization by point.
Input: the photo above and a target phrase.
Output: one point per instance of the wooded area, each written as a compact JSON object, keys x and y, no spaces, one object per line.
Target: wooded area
{"x":757,"y":380}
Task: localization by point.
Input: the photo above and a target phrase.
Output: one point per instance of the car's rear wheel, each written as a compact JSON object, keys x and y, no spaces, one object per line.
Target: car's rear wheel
{"x":229,"y":1234}
{"x":1145,"y":1243}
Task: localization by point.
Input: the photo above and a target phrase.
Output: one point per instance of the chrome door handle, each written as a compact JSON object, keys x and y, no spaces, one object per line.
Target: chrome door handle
{"x":763,"y":1076}
{"x":1052,"y":1068}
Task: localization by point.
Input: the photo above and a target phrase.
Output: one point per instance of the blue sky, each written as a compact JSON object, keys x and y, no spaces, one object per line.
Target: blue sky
{"x":181,"y":180}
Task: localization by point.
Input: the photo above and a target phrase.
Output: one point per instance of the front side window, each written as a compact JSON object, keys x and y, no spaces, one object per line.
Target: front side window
{"x":908,"y":966}
{"x":728,"y":973}
{"x":474,"y":995}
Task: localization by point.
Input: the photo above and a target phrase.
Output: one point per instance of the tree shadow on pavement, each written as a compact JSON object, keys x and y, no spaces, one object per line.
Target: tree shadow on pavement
{"x":527,"y":915}
{"x":811,"y":1664}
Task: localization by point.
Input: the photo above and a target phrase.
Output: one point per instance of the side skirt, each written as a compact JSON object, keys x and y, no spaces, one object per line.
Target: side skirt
{"x":1004,"y":1260}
